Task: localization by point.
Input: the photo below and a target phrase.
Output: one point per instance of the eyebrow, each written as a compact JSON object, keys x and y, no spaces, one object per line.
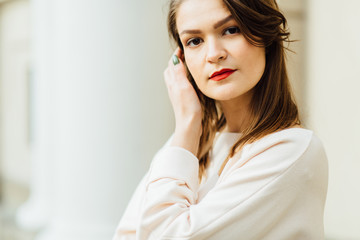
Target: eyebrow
{"x":215,"y":26}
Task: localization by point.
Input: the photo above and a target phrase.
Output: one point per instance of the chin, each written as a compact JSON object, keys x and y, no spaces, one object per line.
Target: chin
{"x":227,"y":94}
{"x":221,"y":97}
{"x":223,"y":94}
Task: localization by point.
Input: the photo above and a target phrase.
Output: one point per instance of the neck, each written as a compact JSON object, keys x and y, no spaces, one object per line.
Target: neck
{"x":237,"y":113}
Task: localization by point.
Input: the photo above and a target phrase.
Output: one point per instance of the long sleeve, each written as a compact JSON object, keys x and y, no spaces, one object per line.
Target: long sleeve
{"x":274,"y":188}
{"x":126,"y":229}
{"x":171,"y":190}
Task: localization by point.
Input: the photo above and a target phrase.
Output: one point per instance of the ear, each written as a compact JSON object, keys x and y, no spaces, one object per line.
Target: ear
{"x":182,"y":55}
{"x":179,"y":43}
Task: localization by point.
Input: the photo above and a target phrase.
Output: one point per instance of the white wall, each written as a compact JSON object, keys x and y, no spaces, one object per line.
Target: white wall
{"x":100,"y":111}
{"x":294,"y":11}
{"x":110,"y":110}
{"x":14,"y":91}
{"x":333,"y":72}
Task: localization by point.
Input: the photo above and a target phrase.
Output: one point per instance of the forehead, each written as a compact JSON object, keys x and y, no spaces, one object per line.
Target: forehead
{"x":195,"y":14}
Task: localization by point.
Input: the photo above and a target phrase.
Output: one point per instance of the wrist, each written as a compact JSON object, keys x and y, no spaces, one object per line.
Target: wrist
{"x":187,"y":136}
{"x":189,"y":124}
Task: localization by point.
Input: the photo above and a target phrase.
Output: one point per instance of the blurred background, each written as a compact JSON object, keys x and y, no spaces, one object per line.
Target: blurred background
{"x":83,"y":108}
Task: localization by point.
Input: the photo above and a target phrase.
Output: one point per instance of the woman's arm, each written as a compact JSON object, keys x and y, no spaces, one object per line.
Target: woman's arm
{"x":188,"y":114}
{"x":278,"y":193}
{"x":186,"y":105}
{"x":126,"y":229}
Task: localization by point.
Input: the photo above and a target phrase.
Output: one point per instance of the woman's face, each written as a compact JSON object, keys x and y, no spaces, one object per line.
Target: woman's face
{"x":222,"y":62}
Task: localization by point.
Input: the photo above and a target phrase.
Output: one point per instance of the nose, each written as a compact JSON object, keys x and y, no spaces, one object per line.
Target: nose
{"x":215,"y":51}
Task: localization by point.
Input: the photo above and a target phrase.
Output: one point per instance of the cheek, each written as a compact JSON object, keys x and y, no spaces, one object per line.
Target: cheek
{"x":261,"y":59}
{"x":255,"y":59}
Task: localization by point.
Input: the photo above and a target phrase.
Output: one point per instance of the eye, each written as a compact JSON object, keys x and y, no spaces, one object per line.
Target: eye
{"x":232,"y":30}
{"x":193,"y":42}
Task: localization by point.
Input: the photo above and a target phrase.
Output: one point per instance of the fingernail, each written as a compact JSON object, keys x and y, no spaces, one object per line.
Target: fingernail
{"x":175,"y":59}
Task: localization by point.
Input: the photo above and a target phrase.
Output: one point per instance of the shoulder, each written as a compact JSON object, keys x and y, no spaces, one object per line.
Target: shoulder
{"x":295,"y":155}
{"x":281,"y":150}
{"x":291,"y":142}
{"x":291,"y":135}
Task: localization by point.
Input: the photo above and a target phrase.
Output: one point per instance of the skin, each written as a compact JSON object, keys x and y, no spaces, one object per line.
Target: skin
{"x":212,"y":41}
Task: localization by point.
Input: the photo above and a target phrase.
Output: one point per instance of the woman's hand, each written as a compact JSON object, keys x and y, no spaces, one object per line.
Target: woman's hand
{"x":186,"y":105}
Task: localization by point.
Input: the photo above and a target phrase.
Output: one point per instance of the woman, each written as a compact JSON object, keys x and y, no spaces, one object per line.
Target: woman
{"x":239,"y":165}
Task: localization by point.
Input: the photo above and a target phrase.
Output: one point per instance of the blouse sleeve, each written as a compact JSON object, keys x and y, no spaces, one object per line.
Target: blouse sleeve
{"x":127,"y":227}
{"x":257,"y":195}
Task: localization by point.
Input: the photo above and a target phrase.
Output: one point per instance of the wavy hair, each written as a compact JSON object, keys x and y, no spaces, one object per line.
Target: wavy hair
{"x":272,"y":105}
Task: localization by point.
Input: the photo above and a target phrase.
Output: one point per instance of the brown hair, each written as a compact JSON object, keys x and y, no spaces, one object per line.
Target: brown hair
{"x":272,"y":105}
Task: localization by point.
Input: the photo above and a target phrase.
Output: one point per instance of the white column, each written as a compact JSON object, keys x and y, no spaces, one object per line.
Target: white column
{"x":333,"y":63}
{"x":36,"y":212}
{"x":97,"y":115}
{"x":106,"y":93}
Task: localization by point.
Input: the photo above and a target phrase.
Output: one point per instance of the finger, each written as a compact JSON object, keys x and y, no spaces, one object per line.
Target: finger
{"x":179,"y":69}
{"x":176,"y":65}
{"x":178,"y":52}
{"x":174,"y":62}
{"x":176,"y":73}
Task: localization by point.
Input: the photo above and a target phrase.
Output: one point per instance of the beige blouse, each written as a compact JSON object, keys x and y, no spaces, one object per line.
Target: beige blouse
{"x":274,"y":189}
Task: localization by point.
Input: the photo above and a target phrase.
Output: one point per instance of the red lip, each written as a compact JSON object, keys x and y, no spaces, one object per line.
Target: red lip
{"x":222,"y":74}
